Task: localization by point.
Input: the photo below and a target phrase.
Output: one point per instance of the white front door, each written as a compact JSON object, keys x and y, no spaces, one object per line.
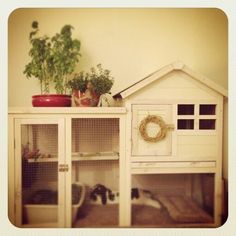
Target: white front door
{"x":142,"y":147}
{"x":39,"y":186}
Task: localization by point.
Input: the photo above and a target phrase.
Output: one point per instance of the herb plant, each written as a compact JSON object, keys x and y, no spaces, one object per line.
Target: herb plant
{"x":52,"y":59}
{"x":101,"y":79}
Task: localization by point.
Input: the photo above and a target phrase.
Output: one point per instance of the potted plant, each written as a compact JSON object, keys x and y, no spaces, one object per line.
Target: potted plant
{"x":101,"y":80}
{"x":52,"y":61}
{"x":81,"y":89}
{"x":88,"y":87}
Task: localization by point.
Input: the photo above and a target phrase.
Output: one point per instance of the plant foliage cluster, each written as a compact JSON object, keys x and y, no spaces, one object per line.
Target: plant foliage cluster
{"x":100,"y":79}
{"x":54,"y":59}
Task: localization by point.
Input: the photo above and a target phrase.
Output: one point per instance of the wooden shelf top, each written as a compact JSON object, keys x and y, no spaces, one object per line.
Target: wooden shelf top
{"x":67,"y":110}
{"x":95,"y":156}
{"x":51,"y":159}
{"x":81,"y":157}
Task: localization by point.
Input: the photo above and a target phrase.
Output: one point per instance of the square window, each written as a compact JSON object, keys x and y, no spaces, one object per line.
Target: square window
{"x":207,"y":124}
{"x":186,"y":124}
{"x":185,"y":109}
{"x":207,"y":109}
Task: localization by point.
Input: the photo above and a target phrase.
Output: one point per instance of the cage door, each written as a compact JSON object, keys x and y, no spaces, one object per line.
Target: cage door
{"x":151,"y":130}
{"x":39,"y":182}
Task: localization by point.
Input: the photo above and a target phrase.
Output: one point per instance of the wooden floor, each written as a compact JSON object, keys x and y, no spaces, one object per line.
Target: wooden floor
{"x":102,"y":216}
{"x":107,"y":216}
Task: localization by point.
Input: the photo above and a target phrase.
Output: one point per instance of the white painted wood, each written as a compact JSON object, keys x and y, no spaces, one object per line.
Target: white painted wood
{"x":205,"y":164}
{"x":218,"y":175}
{"x":123,"y":176}
{"x":128,"y":150}
{"x":173,"y":131}
{"x":76,"y":158}
{"x":188,"y":151}
{"x":66,"y":110}
{"x":68,"y":175}
{"x":11,"y":170}
{"x":178,"y":65}
{"x":197,"y":140}
{"x":170,"y":101}
{"x":196,"y":132}
{"x":140,"y":146}
{"x":51,"y":159}
{"x":144,"y":82}
{"x":95,"y":158}
{"x":153,"y":92}
{"x":197,"y":151}
{"x":18,"y":175}
{"x":173,"y":68}
{"x":203,"y":79}
{"x":61,"y":176}
{"x":176,"y":85}
{"x":198,"y":147}
{"x":174,"y":170}
{"x":18,"y":170}
{"x":167,"y":159}
{"x":38,"y":121}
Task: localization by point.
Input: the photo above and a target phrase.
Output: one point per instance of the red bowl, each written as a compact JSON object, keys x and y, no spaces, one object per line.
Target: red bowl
{"x":51,"y":100}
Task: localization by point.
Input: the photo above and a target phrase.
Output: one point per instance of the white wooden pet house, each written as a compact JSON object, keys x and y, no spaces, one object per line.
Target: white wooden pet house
{"x":164,"y":145}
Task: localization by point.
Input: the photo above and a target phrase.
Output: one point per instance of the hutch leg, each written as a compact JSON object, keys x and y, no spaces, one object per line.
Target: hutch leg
{"x":124,"y":206}
{"x":218,"y":199}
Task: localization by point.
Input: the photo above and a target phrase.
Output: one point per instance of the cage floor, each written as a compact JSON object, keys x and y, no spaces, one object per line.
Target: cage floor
{"x":97,"y":216}
{"x":174,"y":211}
{"x":185,"y":210}
{"x":107,"y":216}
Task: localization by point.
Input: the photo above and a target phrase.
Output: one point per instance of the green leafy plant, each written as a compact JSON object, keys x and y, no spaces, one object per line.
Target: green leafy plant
{"x":66,"y":54}
{"x":79,"y":82}
{"x":52,"y":59}
{"x":101,"y":79}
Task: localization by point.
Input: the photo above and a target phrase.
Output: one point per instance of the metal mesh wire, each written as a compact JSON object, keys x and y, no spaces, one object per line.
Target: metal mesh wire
{"x":105,"y":172}
{"x":39,"y":142}
{"x":40,"y":174}
{"x":95,"y":135}
{"x":98,"y":137}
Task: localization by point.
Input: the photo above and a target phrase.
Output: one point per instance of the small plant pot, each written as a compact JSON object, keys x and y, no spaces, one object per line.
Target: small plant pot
{"x":51,"y":100}
{"x":81,"y":100}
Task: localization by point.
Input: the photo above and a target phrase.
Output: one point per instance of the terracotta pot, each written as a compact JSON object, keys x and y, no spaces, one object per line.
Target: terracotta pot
{"x":83,"y":100}
{"x":51,"y":100}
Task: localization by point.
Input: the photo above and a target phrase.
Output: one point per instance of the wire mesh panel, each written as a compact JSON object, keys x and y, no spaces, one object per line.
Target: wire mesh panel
{"x":39,"y":148}
{"x":100,"y":205}
{"x":95,"y":135}
{"x":95,"y":168}
{"x":165,"y":200}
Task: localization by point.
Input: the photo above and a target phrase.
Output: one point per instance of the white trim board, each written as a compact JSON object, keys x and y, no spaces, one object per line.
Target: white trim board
{"x":166,"y":70}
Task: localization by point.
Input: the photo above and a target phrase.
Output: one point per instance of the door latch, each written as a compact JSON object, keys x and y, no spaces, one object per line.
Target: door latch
{"x":63,"y":167}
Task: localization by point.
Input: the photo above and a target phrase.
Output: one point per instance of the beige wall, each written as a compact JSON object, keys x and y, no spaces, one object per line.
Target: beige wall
{"x":132,"y":43}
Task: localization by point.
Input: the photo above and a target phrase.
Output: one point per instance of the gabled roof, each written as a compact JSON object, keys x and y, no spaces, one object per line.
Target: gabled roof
{"x":179,"y":66}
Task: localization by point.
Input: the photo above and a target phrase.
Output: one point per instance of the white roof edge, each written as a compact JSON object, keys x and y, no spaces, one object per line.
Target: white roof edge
{"x":177,"y":65}
{"x":203,"y":79}
{"x":149,"y":79}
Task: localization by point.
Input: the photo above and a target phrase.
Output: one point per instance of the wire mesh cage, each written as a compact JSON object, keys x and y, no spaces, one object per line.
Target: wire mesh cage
{"x":39,"y":173}
{"x":94,"y":136}
{"x":101,"y":178}
{"x":172,"y":199}
{"x":95,"y":163}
